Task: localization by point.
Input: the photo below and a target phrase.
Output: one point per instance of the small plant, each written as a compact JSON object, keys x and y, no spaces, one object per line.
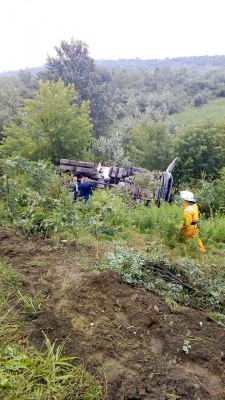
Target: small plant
{"x":26,"y":374}
{"x":186,"y":346}
{"x":173,"y":305}
{"x":119,"y":308}
{"x":30,"y":306}
{"x":218,"y":318}
{"x":128,"y":263}
{"x":172,"y":396}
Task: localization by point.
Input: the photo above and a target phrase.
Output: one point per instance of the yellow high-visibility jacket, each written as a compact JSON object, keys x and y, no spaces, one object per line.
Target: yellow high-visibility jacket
{"x":191,"y":217}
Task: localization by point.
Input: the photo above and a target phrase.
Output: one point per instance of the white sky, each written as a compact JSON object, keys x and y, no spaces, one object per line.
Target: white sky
{"x":112,"y":29}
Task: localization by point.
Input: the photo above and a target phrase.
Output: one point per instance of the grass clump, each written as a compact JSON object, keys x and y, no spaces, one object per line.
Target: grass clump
{"x":26,"y":373}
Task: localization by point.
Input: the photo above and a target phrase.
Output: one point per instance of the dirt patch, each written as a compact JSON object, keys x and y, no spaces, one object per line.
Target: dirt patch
{"x":128,"y":334}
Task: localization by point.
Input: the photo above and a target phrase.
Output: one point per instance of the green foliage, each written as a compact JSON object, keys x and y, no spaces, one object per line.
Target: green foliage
{"x":129,"y":264}
{"x":50,"y":126}
{"x":187,"y":284}
{"x":124,"y":194}
{"x":213,"y":230}
{"x":35,"y":199}
{"x":110,"y":150}
{"x":74,"y":66}
{"x":210,"y":195}
{"x":30,"y":306}
{"x":201,"y":149}
{"x":219,"y":191}
{"x":12,"y":95}
{"x":47,"y":209}
{"x":8,"y":281}
{"x":149,"y":146}
{"x":191,"y":115}
{"x":106,"y":214}
{"x":28,"y":374}
{"x":162,"y":222}
{"x":218,"y":318}
{"x":206,"y":199}
{"x":145,"y":181}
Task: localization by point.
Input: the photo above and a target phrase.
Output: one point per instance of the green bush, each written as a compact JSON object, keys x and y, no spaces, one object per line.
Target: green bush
{"x":161,"y":221}
{"x":213,"y":230}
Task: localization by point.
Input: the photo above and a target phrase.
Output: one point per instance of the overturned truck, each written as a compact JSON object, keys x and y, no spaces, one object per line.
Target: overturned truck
{"x":157,"y":185}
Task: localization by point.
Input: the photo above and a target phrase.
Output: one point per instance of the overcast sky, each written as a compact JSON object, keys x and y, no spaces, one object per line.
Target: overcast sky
{"x":112,"y":29}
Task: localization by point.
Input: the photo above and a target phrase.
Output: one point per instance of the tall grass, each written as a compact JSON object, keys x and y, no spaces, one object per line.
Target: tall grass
{"x":192,"y":115}
{"x":28,"y":374}
{"x":213,"y":230}
{"x":160,"y":221}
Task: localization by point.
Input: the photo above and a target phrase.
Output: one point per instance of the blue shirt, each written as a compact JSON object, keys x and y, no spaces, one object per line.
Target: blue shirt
{"x":85,"y":189}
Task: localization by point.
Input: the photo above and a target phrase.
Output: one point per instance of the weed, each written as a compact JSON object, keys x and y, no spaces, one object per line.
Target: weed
{"x":119,"y":307}
{"x":30,"y":306}
{"x":173,"y":305}
{"x":26,"y":373}
{"x":186,"y":346}
{"x":218,"y":318}
{"x":172,"y":396}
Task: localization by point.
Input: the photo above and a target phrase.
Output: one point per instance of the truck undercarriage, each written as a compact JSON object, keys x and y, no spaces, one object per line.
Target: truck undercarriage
{"x":158,"y":183}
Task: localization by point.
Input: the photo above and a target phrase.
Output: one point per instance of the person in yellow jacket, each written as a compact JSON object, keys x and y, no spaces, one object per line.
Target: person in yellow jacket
{"x":190,"y":226}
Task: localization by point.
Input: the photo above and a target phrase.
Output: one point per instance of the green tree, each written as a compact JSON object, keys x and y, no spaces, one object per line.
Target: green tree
{"x":219,"y":191}
{"x":12,"y":94}
{"x":110,"y":150}
{"x":201,"y":149}
{"x":74,"y":65}
{"x":52,"y":126}
{"x":150,"y":146}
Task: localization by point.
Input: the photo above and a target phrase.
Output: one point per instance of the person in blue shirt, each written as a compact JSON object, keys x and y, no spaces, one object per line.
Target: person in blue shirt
{"x":75,"y":189}
{"x":85,"y":189}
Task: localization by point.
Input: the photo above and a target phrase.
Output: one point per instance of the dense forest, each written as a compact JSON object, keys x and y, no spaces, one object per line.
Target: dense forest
{"x":194,"y":63}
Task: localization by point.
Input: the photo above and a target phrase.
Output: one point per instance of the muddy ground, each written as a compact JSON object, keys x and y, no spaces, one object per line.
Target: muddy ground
{"x":129,"y":335}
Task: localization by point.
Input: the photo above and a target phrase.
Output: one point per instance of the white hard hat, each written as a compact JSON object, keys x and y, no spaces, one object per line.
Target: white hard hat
{"x":188,"y":196}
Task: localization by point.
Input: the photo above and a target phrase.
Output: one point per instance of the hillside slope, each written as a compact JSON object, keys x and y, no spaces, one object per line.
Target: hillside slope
{"x":129,"y":335}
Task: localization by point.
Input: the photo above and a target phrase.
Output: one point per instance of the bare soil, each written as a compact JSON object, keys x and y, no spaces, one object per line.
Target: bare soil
{"x":129,"y":335}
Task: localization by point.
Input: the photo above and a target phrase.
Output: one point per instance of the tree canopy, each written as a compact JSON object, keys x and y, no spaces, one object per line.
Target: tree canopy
{"x":150,"y":145}
{"x":74,"y":65}
{"x":51,"y":126}
{"x":202,"y":149}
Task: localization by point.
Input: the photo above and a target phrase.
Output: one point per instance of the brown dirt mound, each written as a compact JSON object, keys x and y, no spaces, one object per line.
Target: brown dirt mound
{"x":126,"y":333}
